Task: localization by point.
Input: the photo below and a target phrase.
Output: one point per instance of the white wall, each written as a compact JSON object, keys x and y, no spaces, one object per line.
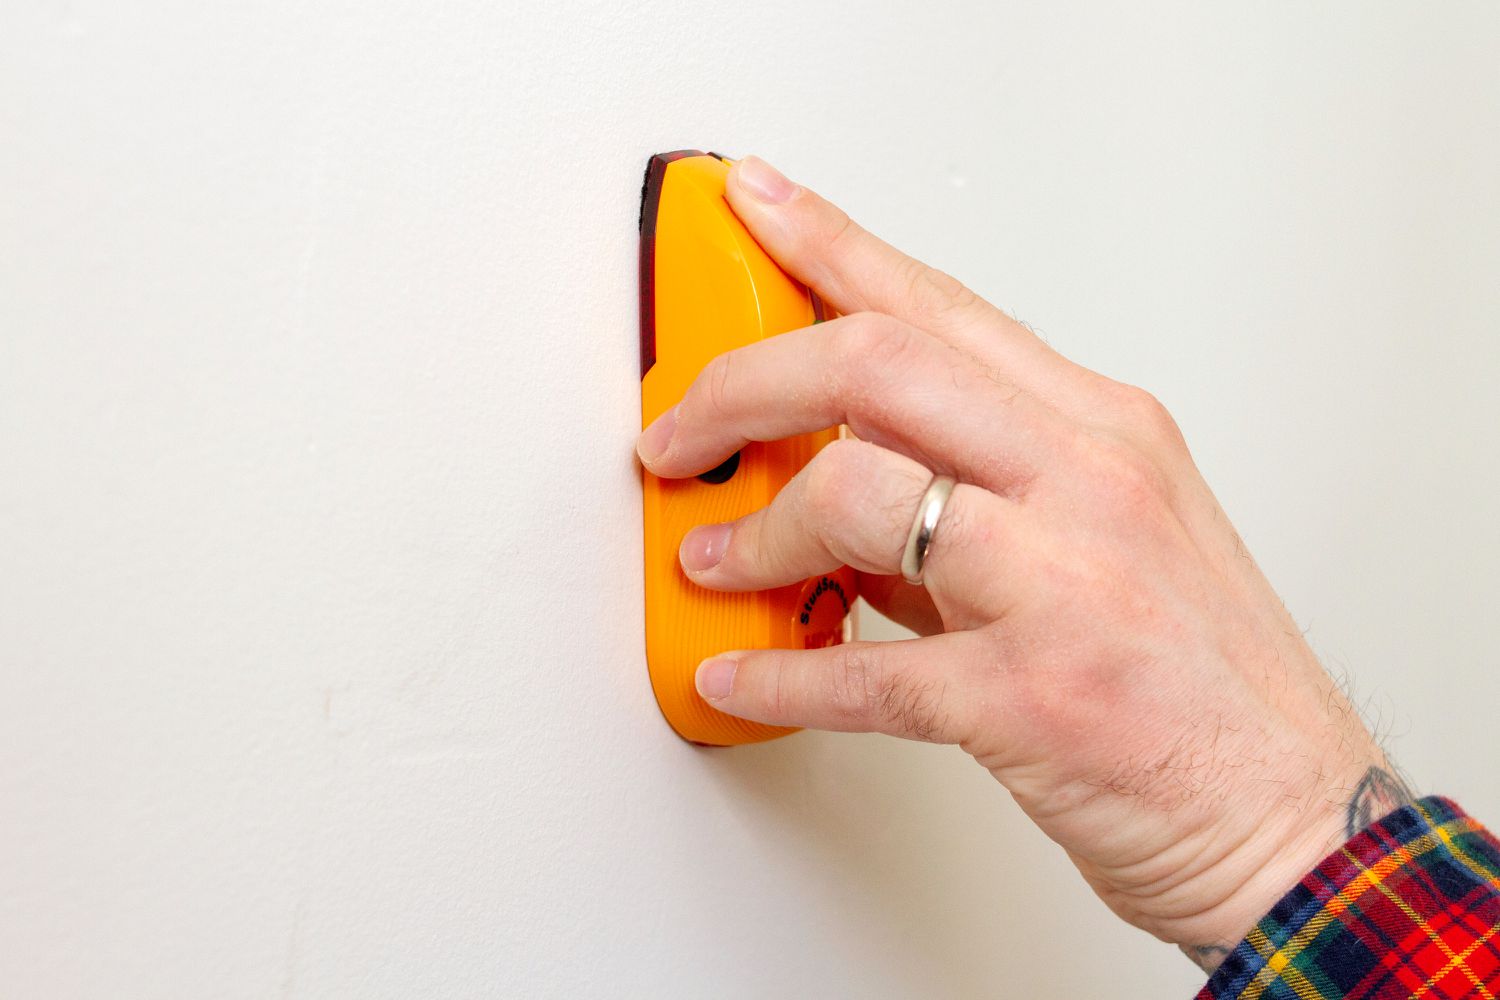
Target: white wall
{"x":319,"y":604}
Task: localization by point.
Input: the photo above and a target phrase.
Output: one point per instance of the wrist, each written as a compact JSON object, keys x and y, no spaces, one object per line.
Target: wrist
{"x":1289,"y":846}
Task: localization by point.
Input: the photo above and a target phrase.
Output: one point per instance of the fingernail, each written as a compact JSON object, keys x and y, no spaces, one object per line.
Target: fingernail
{"x":764,"y":181}
{"x":716,"y":678}
{"x":654,"y":440}
{"x":704,"y":547}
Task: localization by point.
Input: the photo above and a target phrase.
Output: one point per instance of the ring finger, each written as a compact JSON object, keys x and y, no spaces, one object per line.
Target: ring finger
{"x":853,"y":505}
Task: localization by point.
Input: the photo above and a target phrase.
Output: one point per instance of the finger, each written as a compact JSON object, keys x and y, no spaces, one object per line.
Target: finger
{"x":908,"y":605}
{"x":909,"y":688}
{"x":853,"y":270}
{"x":891,"y":383}
{"x":853,"y":505}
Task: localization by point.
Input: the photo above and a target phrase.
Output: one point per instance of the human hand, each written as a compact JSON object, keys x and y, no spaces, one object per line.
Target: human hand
{"x":1095,"y":633}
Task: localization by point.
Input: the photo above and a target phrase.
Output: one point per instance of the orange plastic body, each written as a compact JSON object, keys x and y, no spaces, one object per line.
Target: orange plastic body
{"x":707,"y":287}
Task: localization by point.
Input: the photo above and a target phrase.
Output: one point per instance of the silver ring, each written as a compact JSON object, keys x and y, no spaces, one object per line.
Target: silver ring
{"x":919,"y":540}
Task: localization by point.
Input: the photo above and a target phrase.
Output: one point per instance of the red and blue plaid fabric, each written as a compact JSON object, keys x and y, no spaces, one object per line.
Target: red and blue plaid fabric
{"x":1409,"y":907}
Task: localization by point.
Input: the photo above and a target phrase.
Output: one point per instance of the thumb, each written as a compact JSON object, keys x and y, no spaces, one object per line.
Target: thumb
{"x":909,"y":688}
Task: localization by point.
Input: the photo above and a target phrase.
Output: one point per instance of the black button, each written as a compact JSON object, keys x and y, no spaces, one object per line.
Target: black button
{"x":722,"y":473}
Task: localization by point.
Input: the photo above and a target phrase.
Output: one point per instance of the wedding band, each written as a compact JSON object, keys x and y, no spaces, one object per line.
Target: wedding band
{"x":919,"y":540}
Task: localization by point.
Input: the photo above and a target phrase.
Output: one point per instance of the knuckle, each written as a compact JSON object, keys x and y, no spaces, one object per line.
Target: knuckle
{"x":852,"y":671}
{"x":1125,"y":478}
{"x":834,"y":479}
{"x":1145,"y":415}
{"x":716,"y":382}
{"x":777,"y":701}
{"x":933,"y":293}
{"x":857,"y":681}
{"x":873,"y":347}
{"x":886,"y":700}
{"x":841,"y":229}
{"x":1058,"y":576}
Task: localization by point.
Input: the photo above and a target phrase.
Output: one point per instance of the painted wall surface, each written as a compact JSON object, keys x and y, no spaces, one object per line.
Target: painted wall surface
{"x":320,"y":623}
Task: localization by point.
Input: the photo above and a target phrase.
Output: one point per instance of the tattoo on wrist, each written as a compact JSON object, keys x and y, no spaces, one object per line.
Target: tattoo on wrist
{"x":1380,"y":791}
{"x":1207,"y":957}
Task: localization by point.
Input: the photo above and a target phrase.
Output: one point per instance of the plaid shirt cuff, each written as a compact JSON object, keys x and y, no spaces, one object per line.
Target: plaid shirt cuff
{"x":1409,"y":907}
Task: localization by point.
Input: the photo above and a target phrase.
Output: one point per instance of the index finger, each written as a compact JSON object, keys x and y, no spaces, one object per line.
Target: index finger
{"x":892,"y":384}
{"x":854,"y":270}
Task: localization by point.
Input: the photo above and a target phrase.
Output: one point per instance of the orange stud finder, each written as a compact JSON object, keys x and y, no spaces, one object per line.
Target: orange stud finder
{"x":707,"y":287}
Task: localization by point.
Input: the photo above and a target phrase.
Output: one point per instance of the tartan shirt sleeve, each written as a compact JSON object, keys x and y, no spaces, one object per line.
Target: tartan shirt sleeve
{"x":1409,"y":907}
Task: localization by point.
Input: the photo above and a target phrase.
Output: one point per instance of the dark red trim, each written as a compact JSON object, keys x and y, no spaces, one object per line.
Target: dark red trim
{"x":656,"y":171}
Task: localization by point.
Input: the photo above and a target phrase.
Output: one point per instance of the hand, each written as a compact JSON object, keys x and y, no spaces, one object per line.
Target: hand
{"x":1095,"y":633}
